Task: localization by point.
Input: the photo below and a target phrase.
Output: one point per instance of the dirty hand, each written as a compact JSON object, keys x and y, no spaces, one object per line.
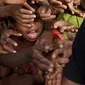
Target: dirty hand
{"x":57,"y":5}
{"x":64,"y":26}
{"x":44,"y":43}
{"x":45,"y":13}
{"x":41,"y":62}
{"x":25,"y":16}
{"x":5,"y":39}
{"x":63,"y":51}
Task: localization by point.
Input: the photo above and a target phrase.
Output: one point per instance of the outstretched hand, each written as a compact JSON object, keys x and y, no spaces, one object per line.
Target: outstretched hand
{"x":41,"y":62}
{"x":25,"y":16}
{"x":44,"y":43}
{"x":45,"y":13}
{"x":64,"y":26}
{"x":57,"y":5}
{"x":6,"y":42}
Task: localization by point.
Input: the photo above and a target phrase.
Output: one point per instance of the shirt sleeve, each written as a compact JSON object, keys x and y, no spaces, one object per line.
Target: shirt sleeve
{"x":75,"y":69}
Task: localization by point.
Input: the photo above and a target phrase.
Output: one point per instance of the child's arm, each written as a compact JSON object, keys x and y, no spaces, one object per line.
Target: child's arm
{"x":13,"y":60}
{"x":25,"y":79}
{"x":12,"y":1}
{"x":8,"y":10}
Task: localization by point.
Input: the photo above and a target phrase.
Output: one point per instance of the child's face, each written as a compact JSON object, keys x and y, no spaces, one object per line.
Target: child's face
{"x":31,"y":34}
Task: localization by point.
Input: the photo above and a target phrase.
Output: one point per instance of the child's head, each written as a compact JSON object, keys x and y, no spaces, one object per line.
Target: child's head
{"x":32,"y":33}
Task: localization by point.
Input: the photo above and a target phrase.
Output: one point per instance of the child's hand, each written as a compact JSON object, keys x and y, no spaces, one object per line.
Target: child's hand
{"x":41,"y":62}
{"x":61,"y":56}
{"x":44,"y":43}
{"x":54,"y":78}
{"x":71,"y":5}
{"x":64,"y":26}
{"x":5,"y":39}
{"x":7,"y":42}
{"x":57,"y":5}
{"x":63,"y":51}
{"x":45,"y":13}
{"x":25,"y":16}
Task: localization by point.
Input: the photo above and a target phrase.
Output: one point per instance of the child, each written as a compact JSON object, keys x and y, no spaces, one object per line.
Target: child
{"x":5,"y":11}
{"x":21,"y":57}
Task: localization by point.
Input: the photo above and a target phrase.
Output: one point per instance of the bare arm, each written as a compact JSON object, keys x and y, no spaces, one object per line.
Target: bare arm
{"x":15,"y":59}
{"x":8,"y":10}
{"x":65,"y":81}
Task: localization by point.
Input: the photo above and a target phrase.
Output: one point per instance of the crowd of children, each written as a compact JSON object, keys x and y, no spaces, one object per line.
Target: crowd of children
{"x":36,"y":37}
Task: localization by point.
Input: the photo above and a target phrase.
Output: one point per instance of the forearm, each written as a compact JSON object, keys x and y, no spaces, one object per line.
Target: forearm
{"x":13,"y":60}
{"x":1,"y":1}
{"x":22,"y":80}
{"x":8,"y":10}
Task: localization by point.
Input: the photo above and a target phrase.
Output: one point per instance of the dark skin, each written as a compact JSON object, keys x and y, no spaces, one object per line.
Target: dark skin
{"x":48,"y":39}
{"x":6,"y":42}
{"x":12,"y":1}
{"x":14,"y":60}
{"x":6,"y":11}
{"x":57,"y":60}
{"x":22,"y":80}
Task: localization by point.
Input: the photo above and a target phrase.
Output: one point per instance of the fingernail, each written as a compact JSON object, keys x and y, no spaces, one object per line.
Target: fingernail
{"x":51,"y":65}
{"x":33,"y":2}
{"x":15,"y":44}
{"x":32,"y":20}
{"x":50,"y":69}
{"x":14,"y":51}
{"x":61,"y":46}
{"x":63,"y":65}
{"x":34,"y":16}
{"x":55,"y":26}
{"x":19,"y":34}
{"x":65,"y":7}
{"x":31,"y":12}
{"x":47,"y":47}
{"x":67,"y":60}
{"x":53,"y":56}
